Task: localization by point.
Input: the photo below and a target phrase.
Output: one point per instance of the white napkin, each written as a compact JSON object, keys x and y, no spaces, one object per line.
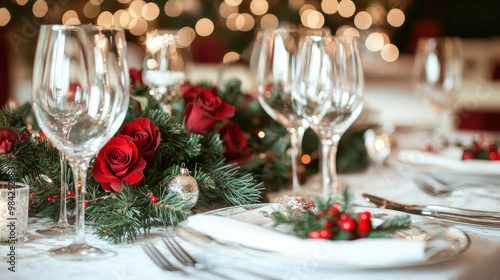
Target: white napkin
{"x":449,"y":159}
{"x":370,"y":252}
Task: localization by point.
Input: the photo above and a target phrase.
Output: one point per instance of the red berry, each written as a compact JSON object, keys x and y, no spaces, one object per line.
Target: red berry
{"x":150,"y":194}
{"x":332,"y":211}
{"x":154,"y":199}
{"x":327,"y":224}
{"x":32,"y":195}
{"x":49,"y":198}
{"x":347,"y":225}
{"x":55,"y":197}
{"x":85,"y":203}
{"x":468,"y":154}
{"x":30,"y":208}
{"x":70,"y":193}
{"x":24,"y":136}
{"x":363,"y":228}
{"x":325,"y":233}
{"x":494,"y":155}
{"x":364,"y":216}
{"x":344,"y":217}
{"x":337,"y":207}
{"x":314,"y":234}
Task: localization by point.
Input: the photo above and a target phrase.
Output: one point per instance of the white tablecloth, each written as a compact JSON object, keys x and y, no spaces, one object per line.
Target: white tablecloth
{"x":480,"y":261}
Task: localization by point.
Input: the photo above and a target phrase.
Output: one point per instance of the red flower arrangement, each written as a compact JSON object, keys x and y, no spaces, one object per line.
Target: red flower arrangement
{"x":123,"y":159}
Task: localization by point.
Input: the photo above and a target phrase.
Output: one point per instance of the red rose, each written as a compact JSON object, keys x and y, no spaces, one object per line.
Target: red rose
{"x":118,"y":162}
{"x":135,"y":76}
{"x":190,"y":92}
{"x":145,"y":137}
{"x":202,"y":114}
{"x":235,"y":143}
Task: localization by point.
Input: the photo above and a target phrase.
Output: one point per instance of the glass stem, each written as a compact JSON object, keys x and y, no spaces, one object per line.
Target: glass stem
{"x":295,"y":140}
{"x":328,"y":165}
{"x":63,"y":219}
{"x":80,"y":177}
{"x":300,"y":168}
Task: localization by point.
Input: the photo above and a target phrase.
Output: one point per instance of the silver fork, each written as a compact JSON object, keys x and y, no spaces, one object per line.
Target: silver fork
{"x":186,"y":259}
{"x":159,"y":259}
{"x":434,"y":187}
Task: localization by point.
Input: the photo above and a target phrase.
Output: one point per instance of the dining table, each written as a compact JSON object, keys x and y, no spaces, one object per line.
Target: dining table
{"x":392,"y":181}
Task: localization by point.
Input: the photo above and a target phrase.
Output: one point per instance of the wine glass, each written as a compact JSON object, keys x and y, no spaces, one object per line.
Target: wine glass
{"x":437,"y":74}
{"x":275,"y":75}
{"x":95,"y":58}
{"x":328,"y":93}
{"x":165,"y":65}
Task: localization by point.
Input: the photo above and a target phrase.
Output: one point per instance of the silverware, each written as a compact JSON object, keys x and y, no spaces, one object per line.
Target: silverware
{"x":458,"y":215}
{"x":436,"y":187}
{"x":159,"y":259}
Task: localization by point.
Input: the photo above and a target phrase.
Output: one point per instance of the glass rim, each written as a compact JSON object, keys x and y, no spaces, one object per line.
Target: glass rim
{"x":19,"y":186}
{"x":56,"y":27}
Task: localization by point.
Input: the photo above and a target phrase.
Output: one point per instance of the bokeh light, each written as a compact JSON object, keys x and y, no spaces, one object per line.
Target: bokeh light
{"x":374,"y":42}
{"x":244,"y":22}
{"x":363,"y":20}
{"x":185,"y":36}
{"x":105,"y":18}
{"x":4,"y":16}
{"x":173,"y":8}
{"x":21,"y":2}
{"x":389,"y":53}
{"x":150,"y":11}
{"x":225,"y":10}
{"x":138,"y":26}
{"x":135,"y":8}
{"x":269,"y":21}
{"x":90,"y":10}
{"x":396,"y":17}
{"x":40,"y":8}
{"x":230,"y":56}
{"x":329,"y":7}
{"x":347,"y":8}
{"x":204,"y":27}
{"x":259,"y":7}
{"x":233,"y":3}
{"x":295,"y":4}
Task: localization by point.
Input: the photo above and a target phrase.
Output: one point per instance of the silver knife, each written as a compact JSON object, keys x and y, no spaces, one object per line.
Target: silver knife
{"x":459,"y":215}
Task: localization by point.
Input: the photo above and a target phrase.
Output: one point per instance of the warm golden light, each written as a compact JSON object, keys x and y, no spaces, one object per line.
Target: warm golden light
{"x":259,"y":7}
{"x":295,"y":4}
{"x":173,"y":8}
{"x":105,"y":18}
{"x":231,"y":22}
{"x":374,"y":42}
{"x":21,"y":2}
{"x":150,"y":11}
{"x":96,"y":2}
{"x":230,"y":56}
{"x":315,"y":19}
{"x":225,"y":10}
{"x":306,"y":159}
{"x":121,"y":18}
{"x":269,"y":21}
{"x":363,"y":20}
{"x":390,"y":53}
{"x":185,"y":36}
{"x":305,"y":8}
{"x":204,"y":27}
{"x":90,"y":10}
{"x":347,"y":8}
{"x":396,"y":17}
{"x":138,"y":26}
{"x":40,"y":8}
{"x":69,"y":15}
{"x":261,"y":134}
{"x":135,"y":8}
{"x":329,"y":7}
{"x":4,"y":16}
{"x":245,"y":22}
{"x":124,"y":1}
{"x":233,"y":3}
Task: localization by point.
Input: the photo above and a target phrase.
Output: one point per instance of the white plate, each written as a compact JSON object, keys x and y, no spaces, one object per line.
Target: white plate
{"x":421,"y":229}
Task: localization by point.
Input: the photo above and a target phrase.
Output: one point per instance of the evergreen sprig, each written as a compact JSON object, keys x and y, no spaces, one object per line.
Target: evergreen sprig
{"x":327,"y":218}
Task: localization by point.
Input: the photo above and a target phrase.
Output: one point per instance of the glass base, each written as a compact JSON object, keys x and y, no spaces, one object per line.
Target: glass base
{"x":80,"y":252}
{"x":57,"y":231}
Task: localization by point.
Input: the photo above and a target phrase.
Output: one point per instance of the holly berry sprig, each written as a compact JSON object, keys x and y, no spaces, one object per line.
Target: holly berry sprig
{"x":338,"y":221}
{"x":483,"y":149}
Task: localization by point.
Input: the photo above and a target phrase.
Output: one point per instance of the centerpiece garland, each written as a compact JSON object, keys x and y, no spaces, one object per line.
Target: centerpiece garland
{"x":128,"y":180}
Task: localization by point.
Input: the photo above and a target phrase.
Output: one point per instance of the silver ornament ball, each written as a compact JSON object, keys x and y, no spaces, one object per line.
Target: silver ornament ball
{"x":185,"y":185}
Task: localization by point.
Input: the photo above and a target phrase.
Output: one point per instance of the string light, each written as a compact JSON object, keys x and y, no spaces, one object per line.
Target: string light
{"x":135,"y":8}
{"x":245,"y":22}
{"x":329,"y":7}
{"x":225,"y":10}
{"x":105,"y":18}
{"x":374,"y":42}
{"x":70,"y":17}
{"x":259,"y":7}
{"x":396,"y":17}
{"x":40,"y":8}
{"x":21,"y":2}
{"x":150,"y":11}
{"x":363,"y":20}
{"x":347,"y":8}
{"x":233,"y":3}
{"x":232,"y":56}
{"x":295,"y":4}
{"x":306,"y":159}
{"x":204,"y":27}
{"x":261,"y":134}
{"x":173,"y":8}
{"x":185,"y":36}
{"x":269,"y":21}
{"x":138,"y":26}
{"x":4,"y":16}
{"x":389,"y":53}
{"x":90,"y":10}
{"x":231,"y":22}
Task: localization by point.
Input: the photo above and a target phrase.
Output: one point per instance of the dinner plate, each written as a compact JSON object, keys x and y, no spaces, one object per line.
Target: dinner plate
{"x":454,"y":241}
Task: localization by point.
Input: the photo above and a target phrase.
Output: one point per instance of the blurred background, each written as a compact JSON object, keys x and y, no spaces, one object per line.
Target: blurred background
{"x":221,"y":34}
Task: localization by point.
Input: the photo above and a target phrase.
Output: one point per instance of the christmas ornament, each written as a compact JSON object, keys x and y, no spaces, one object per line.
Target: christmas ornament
{"x":185,"y":185}
{"x":8,"y":140}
